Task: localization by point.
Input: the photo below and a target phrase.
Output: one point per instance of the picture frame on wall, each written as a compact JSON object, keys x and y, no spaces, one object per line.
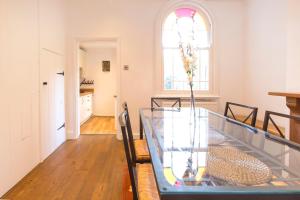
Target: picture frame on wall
{"x":106,"y":66}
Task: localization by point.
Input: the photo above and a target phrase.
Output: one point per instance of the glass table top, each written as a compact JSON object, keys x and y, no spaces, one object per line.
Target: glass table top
{"x":204,"y":152}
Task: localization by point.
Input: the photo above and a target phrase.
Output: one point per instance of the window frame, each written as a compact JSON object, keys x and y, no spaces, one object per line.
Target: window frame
{"x":159,"y":57}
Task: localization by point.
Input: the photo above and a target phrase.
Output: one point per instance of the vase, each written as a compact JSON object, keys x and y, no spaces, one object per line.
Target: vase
{"x":191,"y":169}
{"x":192,"y":97}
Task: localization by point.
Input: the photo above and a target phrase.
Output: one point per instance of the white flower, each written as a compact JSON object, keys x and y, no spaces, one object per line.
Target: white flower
{"x":189,"y":59}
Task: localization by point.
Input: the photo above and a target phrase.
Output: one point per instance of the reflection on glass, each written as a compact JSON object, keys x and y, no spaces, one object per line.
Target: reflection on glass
{"x":218,"y":140}
{"x":190,"y":163}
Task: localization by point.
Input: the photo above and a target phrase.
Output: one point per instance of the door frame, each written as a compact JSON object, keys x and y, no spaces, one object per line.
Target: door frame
{"x":75,"y":86}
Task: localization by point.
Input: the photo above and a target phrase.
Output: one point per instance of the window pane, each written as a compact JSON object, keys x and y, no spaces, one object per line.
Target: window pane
{"x":201,"y":39}
{"x":199,"y":22}
{"x":170,"y":39}
{"x":170,"y":22}
{"x":204,"y":65}
{"x":168,"y":69}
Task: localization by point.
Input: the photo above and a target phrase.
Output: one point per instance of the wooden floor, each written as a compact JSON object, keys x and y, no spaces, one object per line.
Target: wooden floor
{"x":127,"y":190}
{"x":88,"y":168}
{"x":99,"y":125}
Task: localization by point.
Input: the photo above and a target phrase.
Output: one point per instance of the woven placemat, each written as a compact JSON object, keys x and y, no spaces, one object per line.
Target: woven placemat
{"x":237,"y":167}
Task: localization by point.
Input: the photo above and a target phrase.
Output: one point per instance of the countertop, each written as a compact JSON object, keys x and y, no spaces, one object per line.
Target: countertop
{"x":85,"y":93}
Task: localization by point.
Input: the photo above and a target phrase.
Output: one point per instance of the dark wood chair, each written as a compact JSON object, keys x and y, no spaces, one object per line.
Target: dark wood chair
{"x":138,"y":148}
{"x":248,"y":119}
{"x":141,"y":176}
{"x":268,"y":118}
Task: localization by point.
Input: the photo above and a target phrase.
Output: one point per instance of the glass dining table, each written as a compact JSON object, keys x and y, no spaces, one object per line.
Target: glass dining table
{"x":199,"y":154}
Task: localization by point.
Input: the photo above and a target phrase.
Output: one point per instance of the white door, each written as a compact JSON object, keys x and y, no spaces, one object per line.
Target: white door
{"x":59,"y":100}
{"x":52,"y":102}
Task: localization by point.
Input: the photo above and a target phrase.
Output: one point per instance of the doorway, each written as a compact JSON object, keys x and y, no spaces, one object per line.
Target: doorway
{"x":98,"y":66}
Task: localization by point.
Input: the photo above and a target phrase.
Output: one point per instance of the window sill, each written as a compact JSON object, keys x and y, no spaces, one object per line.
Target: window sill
{"x":198,"y":97}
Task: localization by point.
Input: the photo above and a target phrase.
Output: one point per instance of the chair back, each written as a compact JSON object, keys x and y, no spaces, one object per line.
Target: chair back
{"x":244,"y":119}
{"x":129,"y":132}
{"x":268,"y":117}
{"x":156,"y":102}
{"x":128,"y":154}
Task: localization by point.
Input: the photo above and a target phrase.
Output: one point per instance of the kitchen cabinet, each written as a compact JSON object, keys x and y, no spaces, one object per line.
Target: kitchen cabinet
{"x":86,"y":107}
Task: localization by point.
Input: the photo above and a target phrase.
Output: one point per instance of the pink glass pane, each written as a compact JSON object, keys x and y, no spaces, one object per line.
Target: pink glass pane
{"x":185,"y":12}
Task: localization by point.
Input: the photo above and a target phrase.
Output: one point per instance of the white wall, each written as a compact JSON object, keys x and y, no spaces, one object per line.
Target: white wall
{"x":265,"y":54}
{"x":134,"y":23}
{"x":293,"y":46}
{"x":19,"y":144}
{"x":105,"y":86}
{"x":52,"y":25}
{"x":228,"y":56}
{"x":272,"y":52}
{"x":19,"y":85}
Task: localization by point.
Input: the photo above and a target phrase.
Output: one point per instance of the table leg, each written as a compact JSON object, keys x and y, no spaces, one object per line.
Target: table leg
{"x":294,"y":106}
{"x":141,"y":129}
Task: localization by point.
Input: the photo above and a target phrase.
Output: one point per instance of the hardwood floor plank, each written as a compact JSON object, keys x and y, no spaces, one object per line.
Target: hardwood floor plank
{"x":99,"y":125}
{"x":88,"y":168}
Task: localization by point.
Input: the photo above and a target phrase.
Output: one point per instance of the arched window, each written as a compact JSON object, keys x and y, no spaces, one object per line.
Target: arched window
{"x":186,"y":27}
